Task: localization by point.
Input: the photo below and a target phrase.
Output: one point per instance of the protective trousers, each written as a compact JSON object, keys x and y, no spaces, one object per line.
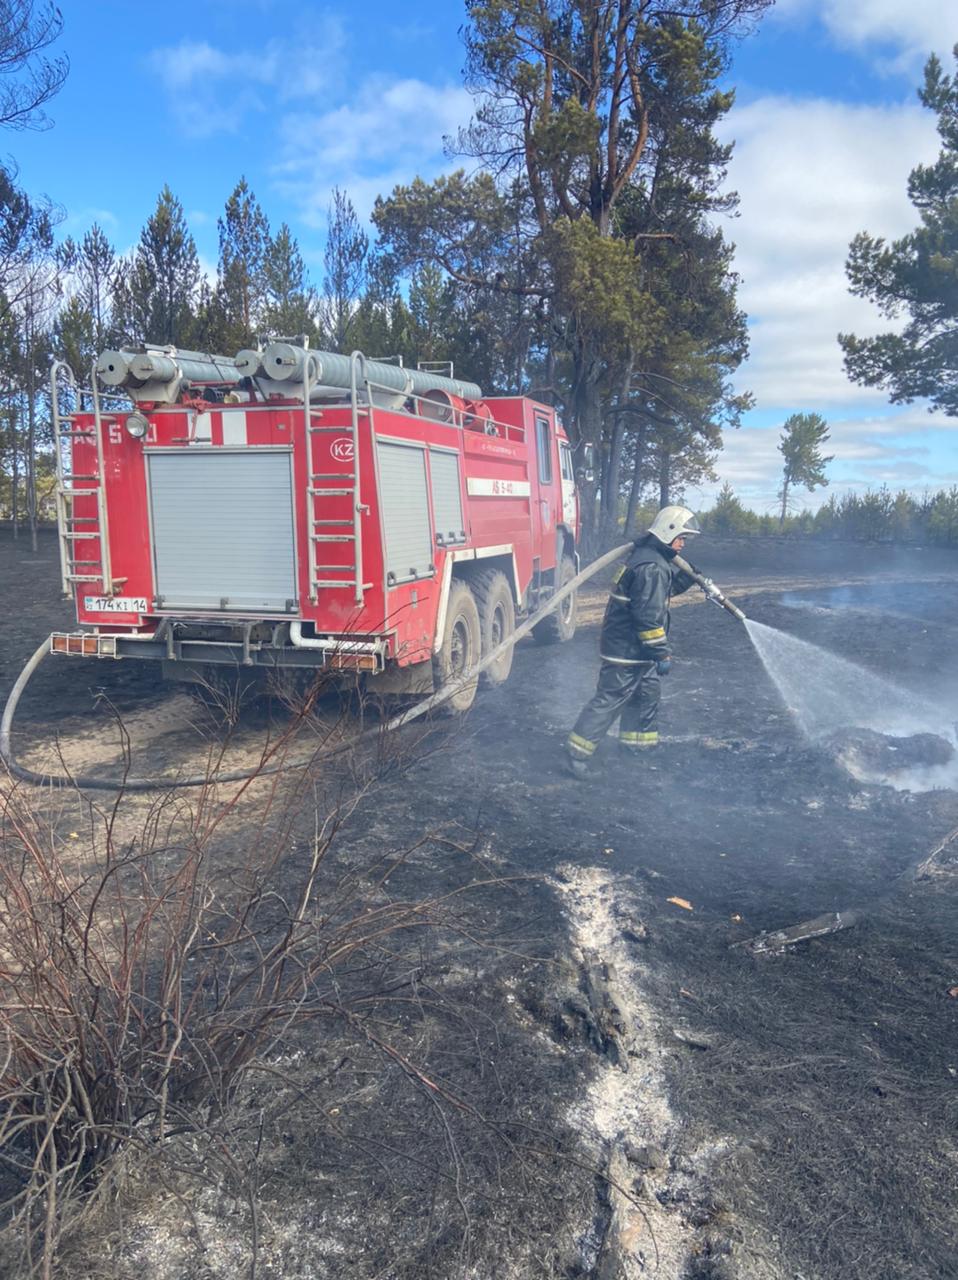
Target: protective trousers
{"x":629,"y":692}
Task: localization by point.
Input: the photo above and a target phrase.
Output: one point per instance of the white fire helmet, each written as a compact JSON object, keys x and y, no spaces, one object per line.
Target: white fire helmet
{"x":674,"y":522}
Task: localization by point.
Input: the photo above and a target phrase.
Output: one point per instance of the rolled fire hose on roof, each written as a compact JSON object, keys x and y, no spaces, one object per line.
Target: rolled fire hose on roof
{"x":243,"y":775}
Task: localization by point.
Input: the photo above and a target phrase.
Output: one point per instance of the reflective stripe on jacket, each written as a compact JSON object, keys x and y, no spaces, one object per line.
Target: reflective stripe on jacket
{"x":636,"y":624}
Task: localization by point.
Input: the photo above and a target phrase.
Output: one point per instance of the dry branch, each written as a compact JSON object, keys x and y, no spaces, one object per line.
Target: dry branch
{"x":819,"y":927}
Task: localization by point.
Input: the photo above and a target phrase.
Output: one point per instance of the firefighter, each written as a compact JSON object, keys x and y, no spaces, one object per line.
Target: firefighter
{"x":634,"y":645}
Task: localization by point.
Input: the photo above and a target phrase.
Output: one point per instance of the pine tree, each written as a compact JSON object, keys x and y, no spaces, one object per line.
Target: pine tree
{"x":290,"y":299}
{"x":26,"y":240}
{"x":241,"y":284}
{"x":346,"y":272}
{"x":84,"y":326}
{"x":916,"y":276}
{"x":803,"y":434}
{"x":156,"y":291}
{"x":582,"y":109}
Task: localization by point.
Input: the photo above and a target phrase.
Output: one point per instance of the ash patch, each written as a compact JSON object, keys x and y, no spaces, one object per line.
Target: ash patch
{"x":659,"y":1210}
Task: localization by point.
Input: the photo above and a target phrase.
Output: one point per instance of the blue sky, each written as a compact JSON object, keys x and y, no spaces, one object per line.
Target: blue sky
{"x":826,"y":126}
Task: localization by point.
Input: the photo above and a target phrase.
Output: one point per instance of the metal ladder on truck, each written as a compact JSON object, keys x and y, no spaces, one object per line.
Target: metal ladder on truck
{"x":345,"y":528}
{"x":78,"y":561}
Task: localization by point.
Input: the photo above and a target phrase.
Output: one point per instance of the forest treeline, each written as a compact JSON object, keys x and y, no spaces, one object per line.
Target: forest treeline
{"x":578,"y":255}
{"x":878,"y":515}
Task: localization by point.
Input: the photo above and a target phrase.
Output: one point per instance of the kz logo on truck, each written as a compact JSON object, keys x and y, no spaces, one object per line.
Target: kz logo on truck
{"x":342,"y":449}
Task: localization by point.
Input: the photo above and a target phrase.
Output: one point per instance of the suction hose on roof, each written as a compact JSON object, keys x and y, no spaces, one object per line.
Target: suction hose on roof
{"x":243,"y":775}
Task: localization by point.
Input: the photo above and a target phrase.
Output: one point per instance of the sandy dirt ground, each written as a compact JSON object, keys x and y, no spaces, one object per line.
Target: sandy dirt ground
{"x":656,"y":1098}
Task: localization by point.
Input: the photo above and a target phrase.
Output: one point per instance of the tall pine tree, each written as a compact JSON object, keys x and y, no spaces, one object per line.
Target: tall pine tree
{"x":916,"y":276}
{"x":241,"y":285}
{"x":290,"y":300}
{"x":157,"y":290}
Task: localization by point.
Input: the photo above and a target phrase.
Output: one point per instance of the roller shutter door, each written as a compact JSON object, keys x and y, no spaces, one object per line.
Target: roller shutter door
{"x":222,"y":525}
{"x":404,"y":502}
{"x":446,"y":497}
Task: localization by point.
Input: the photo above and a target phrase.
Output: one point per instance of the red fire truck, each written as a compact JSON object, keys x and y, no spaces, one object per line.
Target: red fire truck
{"x":296,"y":508}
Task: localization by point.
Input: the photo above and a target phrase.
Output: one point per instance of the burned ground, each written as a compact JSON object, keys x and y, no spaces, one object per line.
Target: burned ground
{"x":809,"y":1099}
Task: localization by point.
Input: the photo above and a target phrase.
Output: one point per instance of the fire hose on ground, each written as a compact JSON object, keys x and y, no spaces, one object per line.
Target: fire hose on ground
{"x":422,"y":708}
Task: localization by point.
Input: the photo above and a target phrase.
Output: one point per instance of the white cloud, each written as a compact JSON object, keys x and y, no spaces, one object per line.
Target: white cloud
{"x":390,"y":132}
{"x":213,"y":91}
{"x":810,"y":174}
{"x":79,"y":221}
{"x":902,"y":448}
{"x":898,"y":35}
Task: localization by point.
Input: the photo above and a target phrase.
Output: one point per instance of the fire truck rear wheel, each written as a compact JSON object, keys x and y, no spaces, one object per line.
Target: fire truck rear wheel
{"x":461,"y":646}
{"x":559,"y":625}
{"x":497,"y":620}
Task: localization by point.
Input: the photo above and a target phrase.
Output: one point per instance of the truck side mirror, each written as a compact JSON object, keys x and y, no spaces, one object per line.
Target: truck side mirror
{"x":586,"y":468}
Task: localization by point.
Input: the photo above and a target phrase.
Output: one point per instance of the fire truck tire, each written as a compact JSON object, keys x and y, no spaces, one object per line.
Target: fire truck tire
{"x":461,"y":646}
{"x":497,"y":620}
{"x":560,"y":624}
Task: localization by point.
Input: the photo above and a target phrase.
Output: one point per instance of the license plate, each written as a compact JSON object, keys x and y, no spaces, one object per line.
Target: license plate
{"x":116,"y":604}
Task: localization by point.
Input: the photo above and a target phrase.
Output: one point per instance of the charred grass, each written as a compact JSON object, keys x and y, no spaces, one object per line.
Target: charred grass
{"x":237,"y":1039}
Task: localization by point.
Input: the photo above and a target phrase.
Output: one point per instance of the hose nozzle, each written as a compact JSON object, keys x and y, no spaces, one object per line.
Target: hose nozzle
{"x":712,"y":592}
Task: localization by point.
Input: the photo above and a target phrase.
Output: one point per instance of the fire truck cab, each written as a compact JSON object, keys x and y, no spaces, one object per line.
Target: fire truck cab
{"x":297,"y":508}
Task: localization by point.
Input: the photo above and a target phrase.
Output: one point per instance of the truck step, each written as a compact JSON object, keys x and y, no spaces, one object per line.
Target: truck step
{"x":334,"y":537}
{"x":332,"y":475}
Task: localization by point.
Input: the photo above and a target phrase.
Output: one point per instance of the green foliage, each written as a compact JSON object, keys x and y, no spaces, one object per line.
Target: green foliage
{"x":84,"y":326}
{"x":157,"y":291}
{"x":803,"y":435}
{"x":346,"y":271}
{"x":878,"y":515}
{"x":729,"y":516}
{"x":290,"y":300}
{"x":586,"y":237}
{"x":916,"y":276}
{"x":241,"y":284}
{"x":26,"y":240}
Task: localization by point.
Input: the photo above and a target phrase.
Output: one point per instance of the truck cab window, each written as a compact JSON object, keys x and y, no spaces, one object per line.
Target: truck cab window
{"x":544,"y":442}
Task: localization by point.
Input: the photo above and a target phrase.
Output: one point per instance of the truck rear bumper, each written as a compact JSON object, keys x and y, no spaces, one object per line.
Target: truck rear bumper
{"x":338,"y":655}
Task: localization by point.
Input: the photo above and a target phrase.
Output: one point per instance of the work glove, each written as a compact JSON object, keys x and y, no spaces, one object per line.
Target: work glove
{"x":663,"y":666}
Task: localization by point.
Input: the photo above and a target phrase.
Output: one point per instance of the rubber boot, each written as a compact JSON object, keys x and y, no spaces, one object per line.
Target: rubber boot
{"x":574,"y":765}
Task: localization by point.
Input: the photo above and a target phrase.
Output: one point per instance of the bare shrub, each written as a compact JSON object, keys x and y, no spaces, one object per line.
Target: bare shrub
{"x":144,"y":966}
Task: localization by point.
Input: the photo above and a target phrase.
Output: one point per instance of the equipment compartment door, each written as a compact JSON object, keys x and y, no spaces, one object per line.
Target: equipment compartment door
{"x":222,"y":525}
{"x":404,"y":498}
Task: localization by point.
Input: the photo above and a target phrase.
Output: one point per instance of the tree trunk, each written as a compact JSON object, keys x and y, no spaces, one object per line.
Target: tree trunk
{"x":32,"y":450}
{"x":635,"y":492}
{"x":588,"y":422}
{"x":610,"y":492}
{"x":665,"y":477}
{"x":784,"y":502}
{"x":14,"y":473}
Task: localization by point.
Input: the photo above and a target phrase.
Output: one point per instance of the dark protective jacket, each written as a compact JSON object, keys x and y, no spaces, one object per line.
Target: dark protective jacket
{"x":636,"y":624}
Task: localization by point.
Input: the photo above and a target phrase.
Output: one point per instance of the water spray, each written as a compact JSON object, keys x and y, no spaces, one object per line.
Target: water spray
{"x":712,"y":592}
